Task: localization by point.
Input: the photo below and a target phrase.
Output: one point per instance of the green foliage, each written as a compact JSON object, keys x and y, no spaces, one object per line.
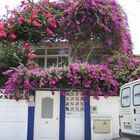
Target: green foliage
{"x":11,"y":55}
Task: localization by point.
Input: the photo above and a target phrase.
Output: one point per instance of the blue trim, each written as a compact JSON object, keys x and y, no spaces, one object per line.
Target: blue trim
{"x":87,"y":117}
{"x":62,"y":118}
{"x":31,"y":111}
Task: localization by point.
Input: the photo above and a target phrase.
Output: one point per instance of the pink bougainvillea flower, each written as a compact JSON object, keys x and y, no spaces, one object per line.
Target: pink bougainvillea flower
{"x":77,"y":22}
{"x":11,"y":27}
{"x":87,"y":84}
{"x":49,"y":20}
{"x":49,"y":32}
{"x":34,"y":16}
{"x":27,"y":45}
{"x":31,"y":66}
{"x":35,"y":23}
{"x":5,"y":24}
{"x":54,"y":25}
{"x":13,"y":36}
{"x":3,"y":34}
{"x":52,"y":22}
{"x":28,"y":20}
{"x":20,"y":20}
{"x":1,"y":26}
{"x":8,"y":72}
{"x":27,"y":84}
{"x":32,"y":56}
{"x":12,"y":19}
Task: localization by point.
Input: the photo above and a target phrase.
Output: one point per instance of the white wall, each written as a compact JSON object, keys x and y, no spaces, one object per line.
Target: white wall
{"x":13,"y":119}
{"x":106,"y":109}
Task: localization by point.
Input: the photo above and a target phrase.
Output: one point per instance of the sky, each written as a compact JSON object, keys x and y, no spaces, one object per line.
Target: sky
{"x":131,"y":7}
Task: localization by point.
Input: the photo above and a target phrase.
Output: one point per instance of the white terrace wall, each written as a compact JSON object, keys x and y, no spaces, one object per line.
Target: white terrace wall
{"x":13,"y":119}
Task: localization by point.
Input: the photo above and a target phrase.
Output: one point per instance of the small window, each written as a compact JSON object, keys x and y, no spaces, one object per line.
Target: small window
{"x":136,"y":93}
{"x":52,"y":57}
{"x":47,"y":108}
{"x":125,"y":97}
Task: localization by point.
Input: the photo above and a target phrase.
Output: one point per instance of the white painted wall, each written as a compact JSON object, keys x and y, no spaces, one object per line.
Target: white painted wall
{"x":13,"y":119}
{"x":106,"y":109}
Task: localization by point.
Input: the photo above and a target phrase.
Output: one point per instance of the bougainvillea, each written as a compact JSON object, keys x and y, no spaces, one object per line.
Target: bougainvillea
{"x":124,"y":67}
{"x":96,"y":78}
{"x":71,"y":21}
{"x":74,"y":20}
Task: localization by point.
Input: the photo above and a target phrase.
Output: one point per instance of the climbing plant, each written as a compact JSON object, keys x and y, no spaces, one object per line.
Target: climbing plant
{"x":77,"y":21}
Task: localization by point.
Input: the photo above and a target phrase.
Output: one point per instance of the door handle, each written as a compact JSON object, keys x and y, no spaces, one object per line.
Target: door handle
{"x":46,"y":122}
{"x":56,"y":118}
{"x":134,"y":111}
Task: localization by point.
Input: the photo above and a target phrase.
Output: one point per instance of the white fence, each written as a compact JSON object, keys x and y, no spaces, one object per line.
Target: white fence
{"x":104,"y":119}
{"x":13,"y":119}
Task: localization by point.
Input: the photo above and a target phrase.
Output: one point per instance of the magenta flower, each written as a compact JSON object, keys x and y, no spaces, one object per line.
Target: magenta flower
{"x":20,"y":19}
{"x":1,"y":26}
{"x":8,"y":72}
{"x":87,"y":84}
{"x":31,"y":55}
{"x":27,"y":84}
{"x":34,"y":16}
{"x":35,"y":23}
{"x":3,"y":34}
{"x":49,"y":32}
{"x":77,"y":22}
{"x":13,"y":36}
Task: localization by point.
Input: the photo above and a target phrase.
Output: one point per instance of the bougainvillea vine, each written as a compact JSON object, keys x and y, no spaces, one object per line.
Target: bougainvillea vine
{"x":96,"y":78}
{"x":71,"y":21}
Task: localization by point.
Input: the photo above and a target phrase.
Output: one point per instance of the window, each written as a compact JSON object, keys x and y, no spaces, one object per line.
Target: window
{"x":136,"y":94}
{"x":74,"y":104}
{"x":125,"y":97}
{"x":47,"y":108}
{"x":48,"y":57}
